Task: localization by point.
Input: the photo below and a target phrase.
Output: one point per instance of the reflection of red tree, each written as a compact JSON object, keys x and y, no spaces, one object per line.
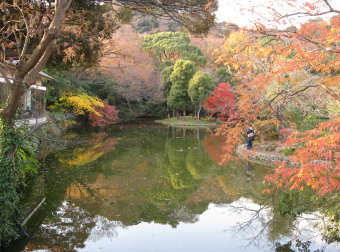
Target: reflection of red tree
{"x":213,"y":145}
{"x":102,"y":143}
{"x":97,"y":138}
{"x":222,"y":101}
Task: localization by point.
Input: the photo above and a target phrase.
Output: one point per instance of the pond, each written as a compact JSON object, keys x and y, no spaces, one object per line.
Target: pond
{"x":147,"y":187}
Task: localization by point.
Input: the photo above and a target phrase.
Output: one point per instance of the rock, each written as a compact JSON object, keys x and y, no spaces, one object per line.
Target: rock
{"x":267,"y":158}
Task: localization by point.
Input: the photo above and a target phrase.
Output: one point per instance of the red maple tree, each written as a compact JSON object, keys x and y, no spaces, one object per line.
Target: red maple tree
{"x":222,"y":101}
{"x":106,"y":115}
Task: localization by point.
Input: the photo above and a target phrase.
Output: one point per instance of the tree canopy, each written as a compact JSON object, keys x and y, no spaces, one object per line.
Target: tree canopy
{"x":200,"y":88}
{"x":178,"y":98}
{"x":166,"y":82}
{"x":222,"y":101}
{"x":173,"y":46}
{"x":197,"y":15}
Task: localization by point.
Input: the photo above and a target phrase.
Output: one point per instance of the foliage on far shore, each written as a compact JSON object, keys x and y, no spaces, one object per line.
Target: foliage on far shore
{"x":98,"y":112}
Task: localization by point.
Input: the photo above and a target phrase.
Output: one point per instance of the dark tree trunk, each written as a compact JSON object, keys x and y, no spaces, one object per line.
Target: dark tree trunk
{"x":26,"y":71}
{"x":16,"y":92}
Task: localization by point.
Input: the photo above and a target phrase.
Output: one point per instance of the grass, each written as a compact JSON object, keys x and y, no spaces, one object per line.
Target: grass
{"x":189,"y":121}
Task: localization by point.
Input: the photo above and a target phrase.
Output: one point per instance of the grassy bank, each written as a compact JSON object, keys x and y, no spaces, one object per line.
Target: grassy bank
{"x":189,"y":121}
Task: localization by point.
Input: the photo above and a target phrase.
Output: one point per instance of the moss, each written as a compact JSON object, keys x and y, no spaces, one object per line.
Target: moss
{"x":288,"y":151}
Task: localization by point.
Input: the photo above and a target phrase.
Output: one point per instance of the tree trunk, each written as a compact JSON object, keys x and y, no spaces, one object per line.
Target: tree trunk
{"x":128,"y":102}
{"x":168,"y":110}
{"x":199,"y":111}
{"x":26,"y":71}
{"x":184,"y":113}
{"x":280,"y":116}
{"x":16,"y":92}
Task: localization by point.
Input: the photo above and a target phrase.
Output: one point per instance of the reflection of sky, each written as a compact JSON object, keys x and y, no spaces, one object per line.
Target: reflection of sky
{"x":212,"y":232}
{"x":209,"y":233}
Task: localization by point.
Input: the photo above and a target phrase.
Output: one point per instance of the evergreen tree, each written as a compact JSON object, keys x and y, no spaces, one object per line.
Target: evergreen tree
{"x":166,"y":82}
{"x":178,"y":98}
{"x":200,"y":88}
{"x":171,"y":46}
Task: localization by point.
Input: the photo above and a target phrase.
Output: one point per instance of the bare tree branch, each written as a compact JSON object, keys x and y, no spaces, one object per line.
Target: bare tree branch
{"x":50,"y":35}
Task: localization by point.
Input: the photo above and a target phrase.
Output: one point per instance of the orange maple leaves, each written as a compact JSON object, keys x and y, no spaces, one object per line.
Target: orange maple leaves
{"x":319,"y":159}
{"x":285,"y":68}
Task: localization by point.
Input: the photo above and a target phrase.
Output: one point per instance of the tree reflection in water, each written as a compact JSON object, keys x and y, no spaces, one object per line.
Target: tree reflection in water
{"x":139,"y":174}
{"x":279,"y":233}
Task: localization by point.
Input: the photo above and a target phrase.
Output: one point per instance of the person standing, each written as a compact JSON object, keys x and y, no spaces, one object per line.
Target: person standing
{"x":250,"y":138}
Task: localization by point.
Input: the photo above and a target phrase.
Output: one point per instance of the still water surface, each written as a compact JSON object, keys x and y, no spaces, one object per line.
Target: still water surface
{"x":147,"y":187}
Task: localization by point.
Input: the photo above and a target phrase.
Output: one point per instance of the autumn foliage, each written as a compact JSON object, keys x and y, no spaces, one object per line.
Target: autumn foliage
{"x":99,"y":144}
{"x":222,"y":101}
{"x":280,"y":71}
{"x":106,"y":115}
{"x":319,"y":160}
{"x":214,"y":146}
{"x":99,"y":112}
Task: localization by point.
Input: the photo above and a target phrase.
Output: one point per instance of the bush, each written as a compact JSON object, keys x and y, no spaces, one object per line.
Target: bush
{"x":291,"y":203}
{"x":17,"y":160}
{"x":303,"y":121}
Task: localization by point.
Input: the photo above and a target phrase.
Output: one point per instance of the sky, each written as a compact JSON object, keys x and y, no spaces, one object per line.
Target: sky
{"x":230,"y":11}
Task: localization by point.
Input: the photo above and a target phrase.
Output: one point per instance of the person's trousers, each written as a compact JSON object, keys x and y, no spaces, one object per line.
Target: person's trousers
{"x":249,"y":143}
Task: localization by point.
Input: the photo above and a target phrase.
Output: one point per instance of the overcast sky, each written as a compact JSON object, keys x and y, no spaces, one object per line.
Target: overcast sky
{"x":230,"y":11}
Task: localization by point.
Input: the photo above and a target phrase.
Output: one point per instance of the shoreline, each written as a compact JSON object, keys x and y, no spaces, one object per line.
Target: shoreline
{"x":186,"y":124}
{"x":264,"y":158}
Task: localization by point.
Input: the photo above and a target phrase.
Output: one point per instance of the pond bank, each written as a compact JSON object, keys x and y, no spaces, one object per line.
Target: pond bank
{"x":264,"y":158}
{"x":187,"y":122}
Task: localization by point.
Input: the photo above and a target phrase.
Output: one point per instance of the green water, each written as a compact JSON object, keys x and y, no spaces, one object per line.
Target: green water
{"x":147,"y":187}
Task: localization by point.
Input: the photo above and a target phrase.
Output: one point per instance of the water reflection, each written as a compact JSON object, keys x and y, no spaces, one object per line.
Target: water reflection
{"x":249,"y":170}
{"x":213,"y":230}
{"x":98,"y":145}
{"x":148,"y":187}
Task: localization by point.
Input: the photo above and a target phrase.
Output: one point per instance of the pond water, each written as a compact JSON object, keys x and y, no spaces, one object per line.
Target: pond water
{"x":147,"y":187}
